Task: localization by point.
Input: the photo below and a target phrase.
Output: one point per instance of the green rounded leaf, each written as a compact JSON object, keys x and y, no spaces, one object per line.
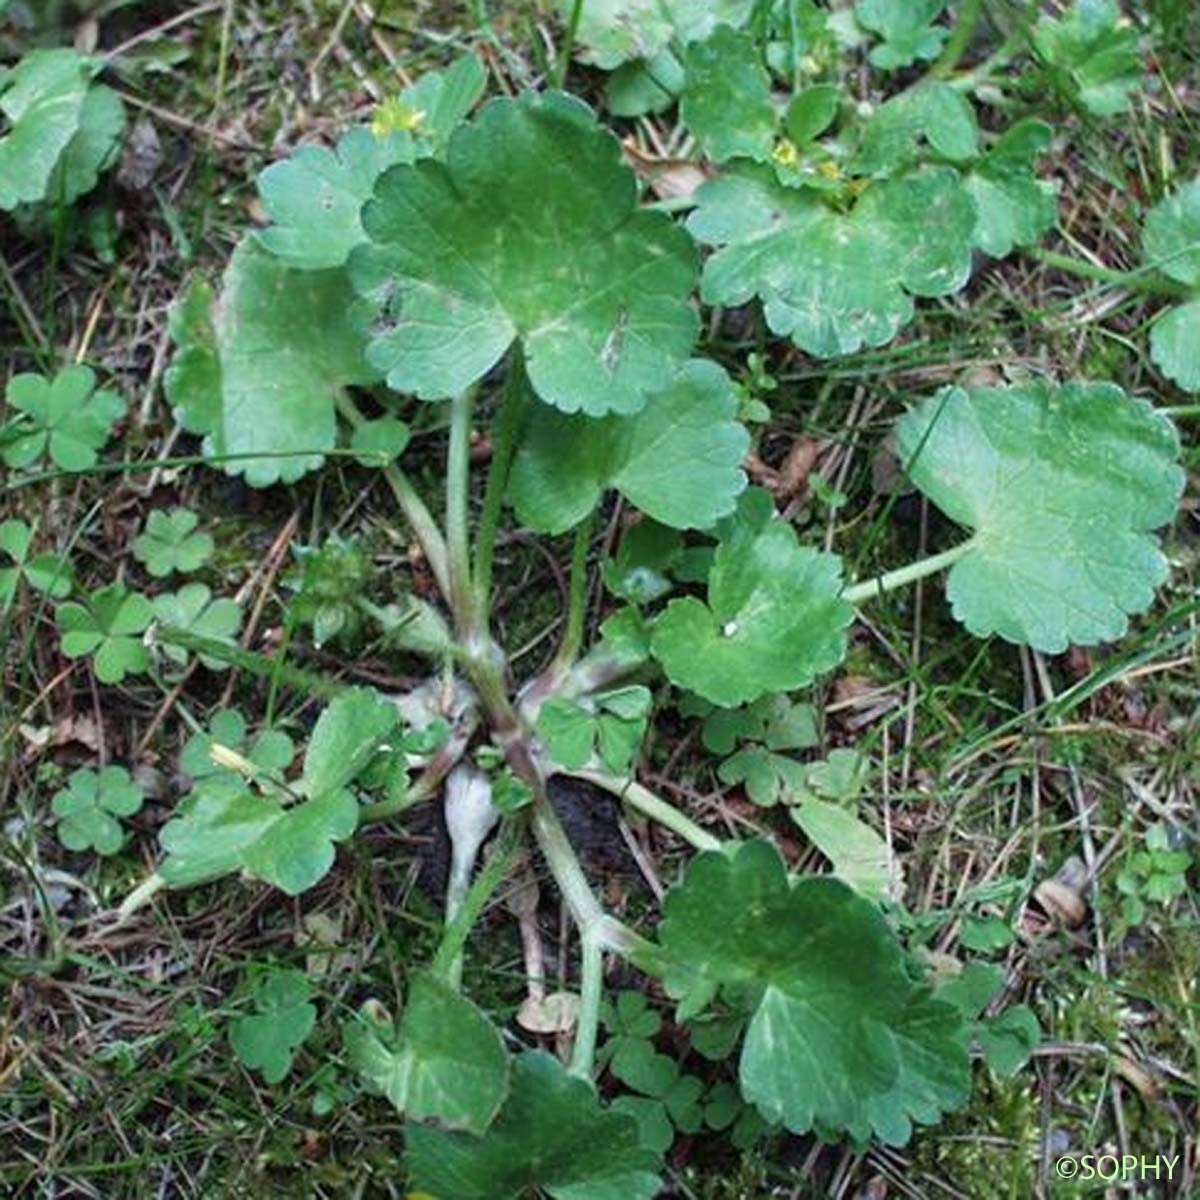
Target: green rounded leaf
{"x":726,"y":101}
{"x":812,"y":111}
{"x":1062,"y":486}
{"x":446,"y":1063}
{"x":42,"y":98}
{"x":834,"y":282}
{"x":551,"y":1135}
{"x":907,"y":29}
{"x":774,"y":619}
{"x":1171,"y":244}
{"x":267,"y":1040}
{"x":94,"y":148}
{"x":1093,"y":48}
{"x":379,"y":443}
{"x":1175,"y":345}
{"x":1015,"y":207}
{"x":315,"y":197}
{"x":259,"y":370}
{"x":529,"y":231}
{"x":679,"y":460}
{"x":840,"y":1036}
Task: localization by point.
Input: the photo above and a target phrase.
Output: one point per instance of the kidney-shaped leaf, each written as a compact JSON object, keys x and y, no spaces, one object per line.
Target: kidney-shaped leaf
{"x":529,"y":230}
{"x":840,"y":1036}
{"x":42,"y":98}
{"x":551,"y":1134}
{"x":833,"y":281}
{"x":773,"y":622}
{"x":679,"y":459}
{"x":446,"y":1063}
{"x":1171,"y":244}
{"x":259,"y":370}
{"x":218,"y":832}
{"x":1062,"y":486}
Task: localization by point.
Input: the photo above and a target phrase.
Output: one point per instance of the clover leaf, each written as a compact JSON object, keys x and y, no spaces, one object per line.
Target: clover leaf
{"x":42,"y":97}
{"x":1014,"y":206}
{"x":1171,"y":243}
{"x":769,"y":778}
{"x":445,"y":1063}
{"x":834,"y":281}
{"x":46,"y":573}
{"x":271,"y":750}
{"x":552,"y":1134}
{"x":774,"y":620}
{"x":840,"y":1035}
{"x":170,"y":542}
{"x":1093,"y":50}
{"x":726,"y":102}
{"x":259,"y":370}
{"x":194,"y":610}
{"x":88,"y":807}
{"x":220,"y":829}
{"x":65,"y":417}
{"x":1062,"y":486}
{"x":267,"y":1040}
{"x":678,"y":460}
{"x":107,"y":627}
{"x":528,"y":232}
{"x":907,"y":29}
{"x":609,"y":724}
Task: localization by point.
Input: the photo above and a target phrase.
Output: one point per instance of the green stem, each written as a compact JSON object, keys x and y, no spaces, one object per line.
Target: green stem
{"x":503,"y":440}
{"x":969,"y":16}
{"x":250,"y":661}
{"x":591,"y":984}
{"x":1134,"y":281}
{"x":564,"y":866}
{"x":647,"y":803}
{"x":447,"y":962}
{"x":568,"y":650}
{"x":568,"y":46}
{"x":428,"y":782}
{"x":419,"y":518}
{"x":868,"y":589}
{"x":458,"y":489}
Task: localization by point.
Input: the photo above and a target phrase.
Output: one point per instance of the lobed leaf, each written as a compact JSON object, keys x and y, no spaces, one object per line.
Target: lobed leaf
{"x":267,"y":1040}
{"x":678,"y":460}
{"x":1013,"y":205}
{"x":43,"y":99}
{"x":170,"y":543}
{"x":552,"y":1134}
{"x":907,"y":29}
{"x":1095,"y":49}
{"x":834,"y":282}
{"x":1062,"y":486}
{"x":89,"y":806}
{"x":108,"y":628}
{"x":446,"y":1063}
{"x":1171,"y":244}
{"x":65,"y":418}
{"x":259,"y":370}
{"x":726,"y":100}
{"x":840,"y":1036}
{"x":529,"y":231}
{"x":774,"y":619}
{"x":47,"y":573}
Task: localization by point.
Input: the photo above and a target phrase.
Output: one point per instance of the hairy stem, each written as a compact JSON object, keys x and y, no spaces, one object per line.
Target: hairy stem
{"x":969,"y":15}
{"x":419,"y":518}
{"x":458,"y":489}
{"x":654,"y":807}
{"x":250,"y":661}
{"x":504,"y":436}
{"x":869,"y":588}
{"x":1141,"y":280}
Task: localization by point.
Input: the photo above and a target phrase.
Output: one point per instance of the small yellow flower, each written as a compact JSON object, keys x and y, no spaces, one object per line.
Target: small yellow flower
{"x":394,"y":115}
{"x":785,"y":153}
{"x":829,"y":169}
